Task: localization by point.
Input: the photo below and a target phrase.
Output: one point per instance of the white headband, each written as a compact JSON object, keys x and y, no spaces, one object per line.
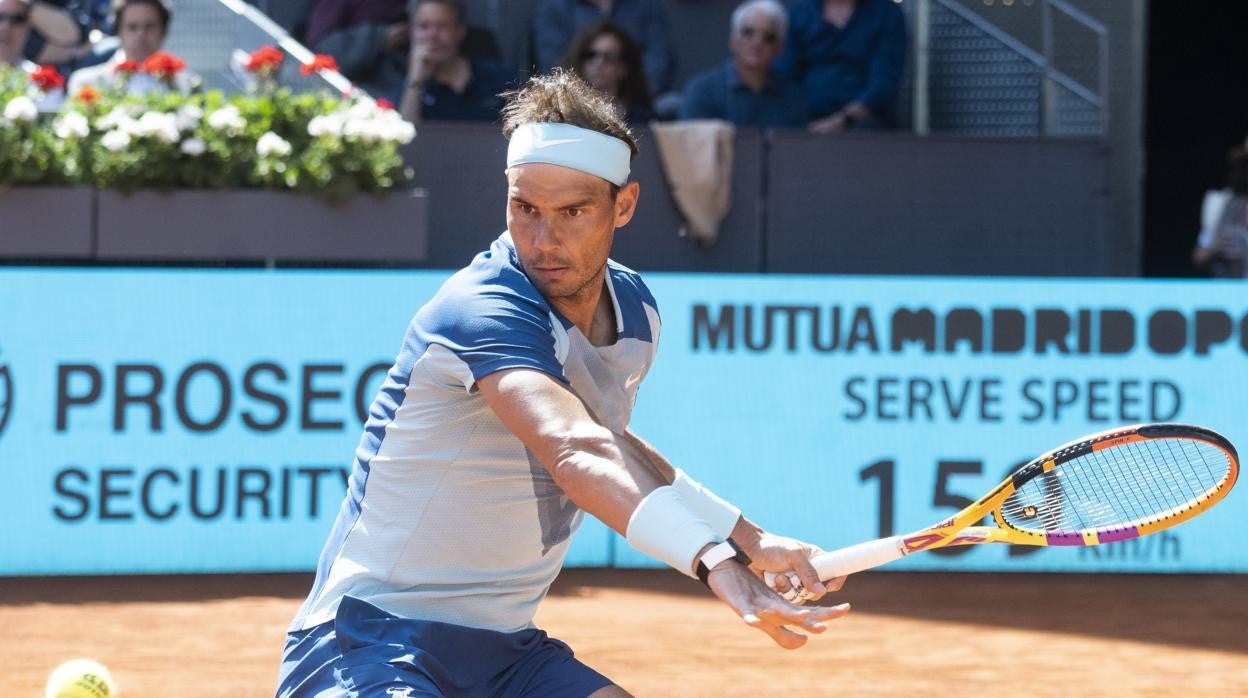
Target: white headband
{"x":571,"y":146}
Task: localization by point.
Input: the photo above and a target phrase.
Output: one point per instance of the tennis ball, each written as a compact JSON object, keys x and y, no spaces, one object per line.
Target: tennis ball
{"x":81,"y":678}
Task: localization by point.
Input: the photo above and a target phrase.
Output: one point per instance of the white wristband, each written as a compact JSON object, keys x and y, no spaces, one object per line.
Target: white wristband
{"x":664,"y":528}
{"x":721,"y":515}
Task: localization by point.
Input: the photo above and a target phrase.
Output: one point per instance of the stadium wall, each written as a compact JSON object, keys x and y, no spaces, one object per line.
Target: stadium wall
{"x":861,"y":204}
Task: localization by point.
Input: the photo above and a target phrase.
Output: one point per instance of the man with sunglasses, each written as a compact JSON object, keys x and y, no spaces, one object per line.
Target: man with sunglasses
{"x":746,"y":90}
{"x":38,"y":32}
{"x":14,"y":31}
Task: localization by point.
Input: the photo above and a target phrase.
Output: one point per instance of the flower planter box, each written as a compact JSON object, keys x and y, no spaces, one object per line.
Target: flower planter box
{"x":269,"y":226}
{"x":46,"y":222}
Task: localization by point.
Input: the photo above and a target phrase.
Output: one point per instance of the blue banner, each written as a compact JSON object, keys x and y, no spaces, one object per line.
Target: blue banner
{"x":187,"y":421}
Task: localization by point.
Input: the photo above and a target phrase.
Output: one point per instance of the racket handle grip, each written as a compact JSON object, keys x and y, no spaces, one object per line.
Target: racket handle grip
{"x":856,"y":558}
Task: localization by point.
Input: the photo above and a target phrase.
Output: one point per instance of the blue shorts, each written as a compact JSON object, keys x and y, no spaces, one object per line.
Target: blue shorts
{"x":365,"y":651}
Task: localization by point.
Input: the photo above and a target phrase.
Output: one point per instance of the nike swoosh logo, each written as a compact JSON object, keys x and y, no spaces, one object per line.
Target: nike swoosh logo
{"x":562,"y":141}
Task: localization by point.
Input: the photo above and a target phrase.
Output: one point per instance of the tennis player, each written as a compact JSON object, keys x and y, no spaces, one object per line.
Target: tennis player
{"x":503,"y":419}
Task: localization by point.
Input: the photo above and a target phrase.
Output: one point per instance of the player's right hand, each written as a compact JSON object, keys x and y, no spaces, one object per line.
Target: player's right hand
{"x":788,"y":561}
{"x":786,"y":623}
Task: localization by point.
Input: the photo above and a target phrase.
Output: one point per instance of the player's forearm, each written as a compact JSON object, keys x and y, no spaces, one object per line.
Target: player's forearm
{"x":604,"y":474}
{"x":650,"y":455}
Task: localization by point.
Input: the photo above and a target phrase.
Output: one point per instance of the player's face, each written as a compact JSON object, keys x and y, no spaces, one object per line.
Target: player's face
{"x":14,"y":28}
{"x":140,"y":31}
{"x":562,"y":222}
{"x":757,"y":42}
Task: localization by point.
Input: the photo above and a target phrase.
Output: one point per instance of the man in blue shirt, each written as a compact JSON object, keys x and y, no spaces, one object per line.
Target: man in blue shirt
{"x":848,"y":56}
{"x":442,"y":83}
{"x":746,"y":90}
{"x":556,"y":22}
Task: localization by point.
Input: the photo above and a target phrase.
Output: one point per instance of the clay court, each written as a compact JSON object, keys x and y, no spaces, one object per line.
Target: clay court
{"x":659,"y":634}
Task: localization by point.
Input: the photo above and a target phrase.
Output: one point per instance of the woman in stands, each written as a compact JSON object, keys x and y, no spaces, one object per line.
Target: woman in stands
{"x":610,"y":60}
{"x":1222,"y":249}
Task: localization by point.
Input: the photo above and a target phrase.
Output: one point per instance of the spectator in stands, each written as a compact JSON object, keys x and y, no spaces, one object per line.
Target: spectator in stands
{"x":37,"y":31}
{"x":608,"y":58}
{"x":58,"y":32}
{"x":368,"y":38}
{"x":848,"y":55}
{"x":746,"y":90}
{"x":142,"y":26}
{"x":442,"y":83}
{"x":556,"y":21}
{"x":14,"y":31}
{"x":1222,"y":249}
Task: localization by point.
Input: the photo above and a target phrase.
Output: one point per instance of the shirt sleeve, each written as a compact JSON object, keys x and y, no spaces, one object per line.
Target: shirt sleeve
{"x":788,"y":63}
{"x":884,"y":72}
{"x":492,"y":330}
{"x":697,"y":102}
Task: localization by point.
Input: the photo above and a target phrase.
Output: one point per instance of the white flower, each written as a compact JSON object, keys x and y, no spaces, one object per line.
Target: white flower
{"x":363,"y":109}
{"x":72,"y":124}
{"x":367,"y":123}
{"x":189,"y":116}
{"x":117,"y":120}
{"x":159,"y":125}
{"x":396,"y":129}
{"x":21,"y":109}
{"x":115,"y":140}
{"x":194,"y":147}
{"x":227,"y":119}
{"x":272,"y":144}
{"x":325,"y":125}
{"x":367,"y":130}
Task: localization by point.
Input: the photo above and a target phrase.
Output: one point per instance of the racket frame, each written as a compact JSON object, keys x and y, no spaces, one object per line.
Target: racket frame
{"x":963,"y":527}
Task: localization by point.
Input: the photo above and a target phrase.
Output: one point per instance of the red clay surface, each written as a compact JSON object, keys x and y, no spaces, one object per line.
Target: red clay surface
{"x":659,"y":634}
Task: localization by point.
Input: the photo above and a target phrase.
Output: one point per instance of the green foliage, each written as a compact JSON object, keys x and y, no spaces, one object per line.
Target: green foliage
{"x":167,"y":140}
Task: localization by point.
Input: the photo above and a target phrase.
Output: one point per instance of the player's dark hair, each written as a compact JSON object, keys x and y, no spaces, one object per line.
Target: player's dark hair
{"x":563,"y":97}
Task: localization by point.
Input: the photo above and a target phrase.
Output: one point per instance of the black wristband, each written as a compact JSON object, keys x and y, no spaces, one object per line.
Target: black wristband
{"x":718,"y":554}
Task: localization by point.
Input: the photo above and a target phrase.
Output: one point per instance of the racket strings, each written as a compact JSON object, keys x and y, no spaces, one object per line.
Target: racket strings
{"x":1118,"y":487}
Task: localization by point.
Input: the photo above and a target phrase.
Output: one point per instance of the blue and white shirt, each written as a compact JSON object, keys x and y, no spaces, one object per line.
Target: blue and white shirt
{"x":448,"y":517}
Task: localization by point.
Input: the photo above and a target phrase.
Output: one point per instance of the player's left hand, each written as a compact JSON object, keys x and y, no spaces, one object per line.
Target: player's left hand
{"x":789,"y":558}
{"x":787,"y":623}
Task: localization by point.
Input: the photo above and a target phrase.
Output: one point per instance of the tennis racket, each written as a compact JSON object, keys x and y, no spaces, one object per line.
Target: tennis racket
{"x":1105,"y":487}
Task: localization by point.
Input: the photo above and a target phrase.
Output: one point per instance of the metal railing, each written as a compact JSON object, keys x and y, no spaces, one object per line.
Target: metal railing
{"x":1051,"y":78}
{"x":216,"y":36}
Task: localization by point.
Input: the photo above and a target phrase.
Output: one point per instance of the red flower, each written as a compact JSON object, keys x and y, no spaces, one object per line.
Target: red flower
{"x":385,"y":104}
{"x":163,"y":65}
{"x":88,"y":95}
{"x":321,"y":61}
{"x":127,"y":66}
{"x":266,"y":59}
{"x":46,"y":78}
